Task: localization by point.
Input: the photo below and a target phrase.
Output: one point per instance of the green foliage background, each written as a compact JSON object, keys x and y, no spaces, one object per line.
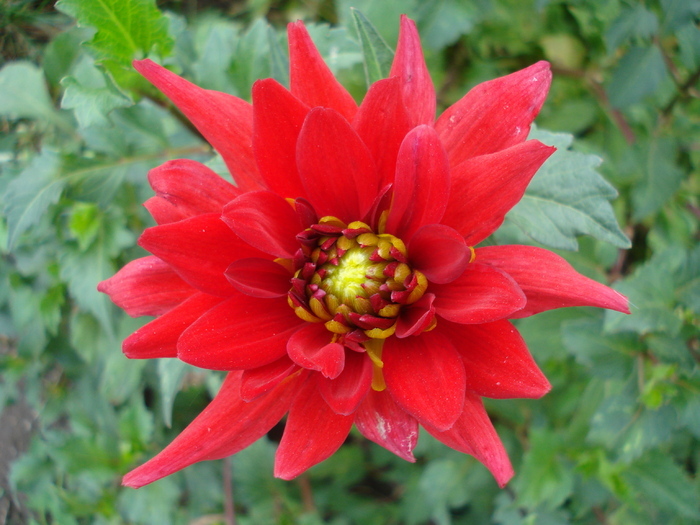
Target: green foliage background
{"x":617,"y":441}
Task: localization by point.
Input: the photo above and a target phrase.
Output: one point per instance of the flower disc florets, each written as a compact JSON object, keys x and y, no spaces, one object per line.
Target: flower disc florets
{"x":352,"y":279}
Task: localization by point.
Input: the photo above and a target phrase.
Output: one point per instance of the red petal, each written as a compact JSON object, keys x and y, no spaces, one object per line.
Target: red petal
{"x":336,"y":167}
{"x":473,"y":434}
{"x":439,"y":252}
{"x":313,"y":433}
{"x":199,"y":250}
{"x":309,"y":77}
{"x":425,"y":376}
{"x":345,"y":393}
{"x":494,"y":115}
{"x":409,"y":66}
{"x":480,"y":295}
{"x":225,"y":427}
{"x":422,"y":184}
{"x":256,"y":381}
{"x":265,"y":220}
{"x":189,"y":188}
{"x":162,"y":211}
{"x":242,"y":332}
{"x":311,"y":347}
{"x":496,"y":359}
{"x":381,"y":420}
{"x":159,"y":337}
{"x":277,"y":119}
{"x":146,"y":286}
{"x":382,"y":123}
{"x":485,"y":188}
{"x":416,"y":317}
{"x":224,"y":120}
{"x":549,"y":281}
{"x":259,"y":278}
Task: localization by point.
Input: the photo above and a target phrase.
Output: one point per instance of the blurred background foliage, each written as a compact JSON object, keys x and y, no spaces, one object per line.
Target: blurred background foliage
{"x":617,"y":441}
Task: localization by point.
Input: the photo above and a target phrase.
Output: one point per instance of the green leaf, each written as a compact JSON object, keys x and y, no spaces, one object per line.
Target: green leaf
{"x":126,"y":29}
{"x":640,"y":72}
{"x":661,"y":177}
{"x":170,"y":375}
{"x":635,"y":22}
{"x":279,"y":63}
{"x":567,"y":197}
{"x":443,"y":22}
{"x":30,"y":194}
{"x":376,"y":53}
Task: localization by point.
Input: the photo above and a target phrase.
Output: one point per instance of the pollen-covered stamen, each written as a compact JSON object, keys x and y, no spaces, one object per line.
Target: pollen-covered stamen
{"x":353,"y":280}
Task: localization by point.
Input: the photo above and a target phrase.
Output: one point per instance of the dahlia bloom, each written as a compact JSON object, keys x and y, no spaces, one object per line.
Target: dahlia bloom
{"x":338,"y":281}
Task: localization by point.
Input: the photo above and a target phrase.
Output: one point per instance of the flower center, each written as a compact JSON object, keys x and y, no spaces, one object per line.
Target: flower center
{"x":353,"y":280}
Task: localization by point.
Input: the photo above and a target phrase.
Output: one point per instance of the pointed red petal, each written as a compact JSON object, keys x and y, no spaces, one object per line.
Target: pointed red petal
{"x":310,"y":78}
{"x":259,"y":278}
{"x":409,"y":66}
{"x":422,"y":183}
{"x":473,"y":434}
{"x":425,"y":376}
{"x":277,"y":119}
{"x":159,"y":337}
{"x":549,"y":281}
{"x":189,"y":188}
{"x":494,"y":115}
{"x":225,"y":427}
{"x":479,"y":295}
{"x":416,"y":317}
{"x":256,"y":381}
{"x":485,"y":188}
{"x":199,"y":250}
{"x":336,"y":167}
{"x":146,"y":286}
{"x":242,"y":332}
{"x":381,"y":420}
{"x":382,"y":123}
{"x":313,"y":433}
{"x":345,"y":393}
{"x":311,"y":347}
{"x":265,"y":220}
{"x":162,"y":211}
{"x":496,"y":359}
{"x":224,"y":120}
{"x":439,"y":252}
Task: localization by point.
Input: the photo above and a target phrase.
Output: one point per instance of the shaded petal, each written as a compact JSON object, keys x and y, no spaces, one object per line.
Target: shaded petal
{"x":422,"y":183}
{"x":311,"y":348}
{"x":425,"y":376}
{"x":417,"y":317}
{"x":277,"y":119}
{"x":485,"y":188}
{"x":439,"y":252}
{"x":496,"y":359}
{"x":310,"y":78}
{"x":242,"y":332}
{"x":265,"y":220}
{"x":479,"y":295}
{"x":381,"y":420}
{"x":473,"y":434}
{"x":409,"y":66}
{"x":313,"y":433}
{"x":199,"y":250}
{"x":549,"y":281}
{"x":345,"y":393}
{"x":259,"y":278}
{"x":256,"y":381}
{"x":189,"y":188}
{"x":224,"y":120}
{"x":225,"y":427}
{"x":336,"y":167}
{"x":382,"y":123}
{"x":494,"y":115}
{"x":159,"y":337}
{"x":146,"y":286}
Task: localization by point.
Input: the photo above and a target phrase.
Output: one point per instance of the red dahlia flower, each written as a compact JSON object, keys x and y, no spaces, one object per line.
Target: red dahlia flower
{"x":338,"y":282}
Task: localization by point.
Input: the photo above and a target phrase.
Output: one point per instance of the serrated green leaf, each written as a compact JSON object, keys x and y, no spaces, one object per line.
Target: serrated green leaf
{"x":567,"y":197}
{"x":126,"y":29}
{"x":660,"y":180}
{"x":376,"y":53}
{"x":640,"y":72}
{"x":635,"y":22}
{"x":170,"y":374}
{"x":30,"y":194}
{"x":442,"y":23}
{"x":679,"y":13}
